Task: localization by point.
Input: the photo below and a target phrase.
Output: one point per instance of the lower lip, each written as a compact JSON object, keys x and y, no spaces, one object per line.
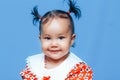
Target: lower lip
{"x":55,"y":51}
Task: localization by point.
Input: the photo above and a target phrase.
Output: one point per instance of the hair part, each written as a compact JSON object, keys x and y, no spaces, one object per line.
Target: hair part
{"x":57,"y":14}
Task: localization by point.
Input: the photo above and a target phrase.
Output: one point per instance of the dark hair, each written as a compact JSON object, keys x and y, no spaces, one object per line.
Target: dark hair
{"x":57,"y":13}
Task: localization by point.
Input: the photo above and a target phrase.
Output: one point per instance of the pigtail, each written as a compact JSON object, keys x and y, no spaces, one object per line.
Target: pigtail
{"x":74,"y":9}
{"x":36,"y":16}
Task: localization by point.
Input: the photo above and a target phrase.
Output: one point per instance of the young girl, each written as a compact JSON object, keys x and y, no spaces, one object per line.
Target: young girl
{"x":56,"y":36}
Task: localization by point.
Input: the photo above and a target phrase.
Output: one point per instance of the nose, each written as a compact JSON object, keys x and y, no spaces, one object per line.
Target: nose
{"x":54,"y":43}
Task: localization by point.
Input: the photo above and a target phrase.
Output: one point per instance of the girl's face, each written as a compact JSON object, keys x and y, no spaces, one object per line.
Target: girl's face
{"x":56,"y":38}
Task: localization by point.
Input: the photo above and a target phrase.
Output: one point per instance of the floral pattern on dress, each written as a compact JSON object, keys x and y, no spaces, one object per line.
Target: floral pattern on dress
{"x":80,"y":72}
{"x":27,"y":74}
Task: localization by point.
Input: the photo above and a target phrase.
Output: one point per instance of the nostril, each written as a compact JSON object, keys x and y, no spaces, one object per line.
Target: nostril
{"x":54,"y":46}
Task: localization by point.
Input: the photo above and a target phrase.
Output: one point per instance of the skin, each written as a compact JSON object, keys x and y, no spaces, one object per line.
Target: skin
{"x":56,"y":39}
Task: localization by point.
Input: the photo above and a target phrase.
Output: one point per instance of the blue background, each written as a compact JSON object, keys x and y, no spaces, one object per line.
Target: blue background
{"x":97,"y":42}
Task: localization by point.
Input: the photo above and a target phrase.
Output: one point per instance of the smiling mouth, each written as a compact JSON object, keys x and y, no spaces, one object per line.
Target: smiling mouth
{"x":54,"y":50}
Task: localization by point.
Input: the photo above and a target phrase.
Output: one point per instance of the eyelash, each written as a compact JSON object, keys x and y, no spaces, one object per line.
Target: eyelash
{"x":61,"y":37}
{"x":48,"y":38}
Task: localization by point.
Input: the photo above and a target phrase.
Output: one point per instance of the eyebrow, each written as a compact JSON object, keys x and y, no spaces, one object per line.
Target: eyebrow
{"x":57,"y":34}
{"x":46,"y":34}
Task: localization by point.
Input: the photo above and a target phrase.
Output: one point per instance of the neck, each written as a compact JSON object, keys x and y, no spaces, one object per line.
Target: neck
{"x":52,"y":63}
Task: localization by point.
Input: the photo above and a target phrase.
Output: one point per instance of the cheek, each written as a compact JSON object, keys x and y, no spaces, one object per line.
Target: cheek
{"x":44,"y":44}
{"x":65,"y":44}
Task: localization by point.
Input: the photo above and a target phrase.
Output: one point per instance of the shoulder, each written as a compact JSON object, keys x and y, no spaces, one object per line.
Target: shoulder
{"x":32,"y":67}
{"x":34,"y":58}
{"x":75,"y":59}
{"x":80,"y":71}
{"x":34,"y":62}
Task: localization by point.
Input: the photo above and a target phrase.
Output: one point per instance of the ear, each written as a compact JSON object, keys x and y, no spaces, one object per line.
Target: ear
{"x":73,"y":39}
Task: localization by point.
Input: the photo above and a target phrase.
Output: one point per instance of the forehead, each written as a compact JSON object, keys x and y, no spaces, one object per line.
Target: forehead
{"x":56,"y":25}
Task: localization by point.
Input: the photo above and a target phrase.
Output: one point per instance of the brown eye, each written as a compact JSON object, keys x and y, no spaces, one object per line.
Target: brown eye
{"x":61,"y":37}
{"x":47,"y":38}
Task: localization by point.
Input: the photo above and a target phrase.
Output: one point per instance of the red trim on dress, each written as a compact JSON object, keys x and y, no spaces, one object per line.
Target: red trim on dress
{"x":80,"y":72}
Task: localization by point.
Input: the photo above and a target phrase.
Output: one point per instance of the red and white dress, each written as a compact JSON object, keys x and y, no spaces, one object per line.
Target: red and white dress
{"x":73,"y":68}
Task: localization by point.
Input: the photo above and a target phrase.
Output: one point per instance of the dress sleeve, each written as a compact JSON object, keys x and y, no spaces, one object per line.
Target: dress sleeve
{"x":80,"y":72}
{"x":26,"y":74}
